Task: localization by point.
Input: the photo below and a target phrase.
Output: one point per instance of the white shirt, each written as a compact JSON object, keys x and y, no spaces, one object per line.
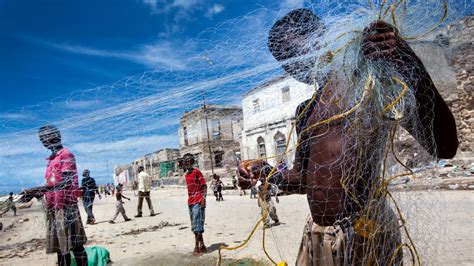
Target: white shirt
{"x":144,"y":182}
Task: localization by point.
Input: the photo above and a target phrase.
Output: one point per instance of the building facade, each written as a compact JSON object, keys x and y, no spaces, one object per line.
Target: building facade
{"x":268,"y":116}
{"x":160,"y":165}
{"x":211,"y":133}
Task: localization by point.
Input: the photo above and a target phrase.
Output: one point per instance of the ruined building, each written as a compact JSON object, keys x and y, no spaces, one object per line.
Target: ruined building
{"x":211,"y":133}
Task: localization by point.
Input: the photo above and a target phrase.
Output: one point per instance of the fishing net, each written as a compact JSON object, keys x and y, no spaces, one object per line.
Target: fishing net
{"x":363,"y":108}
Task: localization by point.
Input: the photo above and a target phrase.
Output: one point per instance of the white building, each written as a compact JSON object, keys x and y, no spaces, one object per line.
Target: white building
{"x":268,"y":115}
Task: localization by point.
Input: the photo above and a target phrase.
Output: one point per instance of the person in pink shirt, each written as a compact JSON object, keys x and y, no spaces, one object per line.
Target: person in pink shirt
{"x":65,"y":232}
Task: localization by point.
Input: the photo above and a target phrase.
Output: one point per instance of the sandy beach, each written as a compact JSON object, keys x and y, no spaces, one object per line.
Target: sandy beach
{"x":440,"y":223}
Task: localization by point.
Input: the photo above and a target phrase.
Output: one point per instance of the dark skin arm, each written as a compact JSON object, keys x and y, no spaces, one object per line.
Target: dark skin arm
{"x":96,"y":189}
{"x":435,"y":129}
{"x":204,"y":194}
{"x":38,"y":192}
{"x":125,"y":197}
{"x":294,"y":180}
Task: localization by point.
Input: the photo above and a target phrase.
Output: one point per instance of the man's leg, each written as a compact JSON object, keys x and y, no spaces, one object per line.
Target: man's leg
{"x":87,"y":202}
{"x":193,"y":228}
{"x":150,"y":205}
{"x":90,"y":214}
{"x":140,"y":204}
{"x":117,"y":211}
{"x":80,"y":255}
{"x":197,"y":226}
{"x":201,"y":219}
{"x":272,"y":211}
{"x":124,"y":215}
{"x":64,"y":259}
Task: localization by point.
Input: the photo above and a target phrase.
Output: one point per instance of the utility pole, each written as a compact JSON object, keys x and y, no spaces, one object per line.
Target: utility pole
{"x":204,"y":108}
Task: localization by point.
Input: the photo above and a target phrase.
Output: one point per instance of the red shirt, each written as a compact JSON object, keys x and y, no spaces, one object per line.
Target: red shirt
{"x":194,"y":181}
{"x":62,"y":161}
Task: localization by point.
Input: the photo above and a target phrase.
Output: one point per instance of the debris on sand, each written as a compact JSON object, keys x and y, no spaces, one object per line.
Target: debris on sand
{"x":153,"y":228}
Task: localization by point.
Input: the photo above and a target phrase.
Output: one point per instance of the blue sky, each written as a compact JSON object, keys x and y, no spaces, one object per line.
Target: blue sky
{"x":67,"y":62}
{"x":116,"y":75}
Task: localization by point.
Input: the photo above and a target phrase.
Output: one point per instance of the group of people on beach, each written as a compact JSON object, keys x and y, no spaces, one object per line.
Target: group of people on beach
{"x":333,"y":234}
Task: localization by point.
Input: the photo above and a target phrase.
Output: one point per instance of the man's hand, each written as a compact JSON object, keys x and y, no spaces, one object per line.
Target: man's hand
{"x":382,"y":41}
{"x":28,"y":194}
{"x":203,"y":202}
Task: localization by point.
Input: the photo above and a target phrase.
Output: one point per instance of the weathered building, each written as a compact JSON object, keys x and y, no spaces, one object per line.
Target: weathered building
{"x":211,"y":133}
{"x":160,"y":164}
{"x":268,"y":116}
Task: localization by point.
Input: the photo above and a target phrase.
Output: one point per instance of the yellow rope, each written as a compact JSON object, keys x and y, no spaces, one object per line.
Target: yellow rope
{"x":370,"y":83}
{"x":369,"y":86}
{"x":381,"y":8}
{"x":405,"y":89}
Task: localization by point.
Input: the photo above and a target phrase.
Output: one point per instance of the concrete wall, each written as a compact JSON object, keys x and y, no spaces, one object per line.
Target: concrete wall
{"x":274,"y":116}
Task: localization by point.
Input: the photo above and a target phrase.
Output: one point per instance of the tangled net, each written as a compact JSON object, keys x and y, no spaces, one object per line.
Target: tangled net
{"x":366,"y":101}
{"x":371,"y":101}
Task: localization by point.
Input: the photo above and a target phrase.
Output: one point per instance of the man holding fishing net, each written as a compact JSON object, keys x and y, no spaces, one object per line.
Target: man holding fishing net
{"x":343,"y":143}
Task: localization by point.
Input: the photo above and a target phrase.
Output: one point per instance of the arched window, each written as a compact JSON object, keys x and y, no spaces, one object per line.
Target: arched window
{"x":262,"y":153}
{"x":280,"y":145}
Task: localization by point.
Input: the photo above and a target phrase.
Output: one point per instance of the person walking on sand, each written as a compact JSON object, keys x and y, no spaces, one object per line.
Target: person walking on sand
{"x":89,"y":187}
{"x":144,"y":187}
{"x":197,"y":191}
{"x":119,"y":209}
{"x":10,"y":205}
{"x":217,"y":187}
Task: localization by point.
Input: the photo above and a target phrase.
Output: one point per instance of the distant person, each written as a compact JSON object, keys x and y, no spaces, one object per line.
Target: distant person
{"x":144,"y":187}
{"x":64,"y":229}
{"x":107,"y":190}
{"x":257,"y":175}
{"x":253,"y":191}
{"x":241,"y":190}
{"x":119,"y":209}
{"x":217,"y":187}
{"x":197,"y":191}
{"x":10,"y":205}
{"x":89,"y":188}
{"x":234,"y":182}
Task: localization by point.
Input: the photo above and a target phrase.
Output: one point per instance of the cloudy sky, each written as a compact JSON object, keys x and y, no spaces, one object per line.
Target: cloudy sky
{"x":116,"y":75}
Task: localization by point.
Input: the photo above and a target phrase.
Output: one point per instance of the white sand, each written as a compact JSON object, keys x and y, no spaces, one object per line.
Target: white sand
{"x":442,"y":241}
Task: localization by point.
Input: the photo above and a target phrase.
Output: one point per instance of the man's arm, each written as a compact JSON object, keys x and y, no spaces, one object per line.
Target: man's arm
{"x":125,"y":197}
{"x":203,"y":188}
{"x":38,"y":192}
{"x":294,"y":180}
{"x":434,"y":127}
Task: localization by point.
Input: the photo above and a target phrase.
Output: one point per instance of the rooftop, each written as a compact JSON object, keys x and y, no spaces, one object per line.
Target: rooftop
{"x":266,"y":84}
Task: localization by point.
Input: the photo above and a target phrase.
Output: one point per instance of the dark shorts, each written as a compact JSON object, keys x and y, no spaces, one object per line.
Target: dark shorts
{"x":197,"y":215}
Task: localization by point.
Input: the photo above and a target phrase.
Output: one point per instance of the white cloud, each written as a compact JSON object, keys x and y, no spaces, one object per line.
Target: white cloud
{"x":14,"y":116}
{"x":80,"y":104}
{"x":186,"y":4}
{"x":127,"y":145}
{"x":163,"y":6}
{"x":214,"y":10}
{"x":292,"y":4}
{"x":160,"y":55}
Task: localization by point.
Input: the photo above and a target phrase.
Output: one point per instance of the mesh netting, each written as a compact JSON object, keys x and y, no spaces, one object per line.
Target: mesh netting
{"x":345,"y":157}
